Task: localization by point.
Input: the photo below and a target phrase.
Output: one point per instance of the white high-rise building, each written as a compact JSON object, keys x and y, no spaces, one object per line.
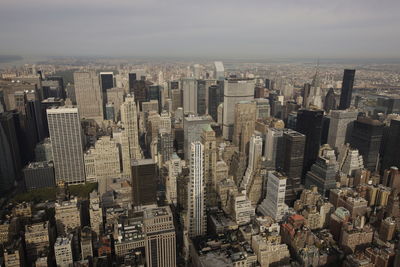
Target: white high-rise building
{"x":196,"y":213}
{"x":63,"y":251}
{"x":67,"y":144}
{"x":189,"y":88}
{"x":165,"y":122}
{"x":255,"y":153}
{"x":274,"y":203}
{"x":95,"y":213}
{"x":130,"y":122}
{"x":102,"y":162}
{"x":121,"y":138}
{"x":174,"y":166}
{"x":192,"y":129}
{"x":351,"y":161}
{"x":235,"y":90}
{"x":219,"y":70}
{"x":88,"y":95}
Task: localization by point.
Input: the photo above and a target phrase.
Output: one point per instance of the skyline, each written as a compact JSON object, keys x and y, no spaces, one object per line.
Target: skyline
{"x":226,"y":29}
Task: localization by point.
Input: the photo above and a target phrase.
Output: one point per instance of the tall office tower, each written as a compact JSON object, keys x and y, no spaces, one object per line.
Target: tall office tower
{"x":351,"y":161}
{"x":263,"y":108}
{"x":144,"y":182}
{"x":309,"y":123}
{"x":155,"y":93}
{"x":160,"y":248}
{"x":109,"y":112}
{"x":274,"y":203}
{"x":347,"y":89}
{"x":140,"y":91}
{"x":9,"y":124}
{"x":88,"y":95}
{"x":165,"y":145}
{"x":273,"y":147}
{"x":330,"y":100}
{"x":106,"y":82}
{"x":116,"y":97}
{"x":244,"y":124}
{"x":201,"y":97}
{"x":312,"y":92}
{"x":130,"y":122}
{"x":268,"y":84}
{"x":215,"y":97}
{"x":165,"y":122}
{"x":174,"y":166}
{"x":324,"y":171}
{"x":189,"y":88}
{"x":366,"y":137}
{"x":235,"y":90}
{"x":102,"y":162}
{"x":7,"y":170}
{"x":95,"y":213}
{"x":255,"y":153}
{"x":219,"y":71}
{"x":67,"y":144}
{"x":121,"y":138}
{"x":196,"y":213}
{"x":131,"y":80}
{"x":192,"y":128}
{"x":63,"y":251}
{"x":208,"y":140}
{"x":292,"y":166}
{"x":391,"y":153}
{"x":177,"y":99}
{"x":340,"y":128}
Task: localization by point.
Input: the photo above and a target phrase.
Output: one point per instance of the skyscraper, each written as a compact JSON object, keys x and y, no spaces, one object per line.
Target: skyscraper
{"x":323,"y":172}
{"x":366,"y":137}
{"x":274,"y":203}
{"x":219,"y":70}
{"x":347,"y":89}
{"x":201,"y":97}
{"x":235,"y":90}
{"x":292,"y":165}
{"x":160,"y":237}
{"x":309,"y":123}
{"x":215,"y":97}
{"x":67,"y":145}
{"x":106,"y":81}
{"x":7,"y":171}
{"x":196,"y":213}
{"x":210,"y":160}
{"x":189,"y":88}
{"x":255,"y":153}
{"x":244,"y":124}
{"x":193,"y":127}
{"x":130,"y":121}
{"x":340,"y":127}
{"x":144,"y":182}
{"x":273,"y":147}
{"x":391,"y":153}
{"x":88,"y":95}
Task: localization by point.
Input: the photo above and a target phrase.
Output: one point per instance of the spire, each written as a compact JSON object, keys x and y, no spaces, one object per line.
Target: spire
{"x":316,"y":79}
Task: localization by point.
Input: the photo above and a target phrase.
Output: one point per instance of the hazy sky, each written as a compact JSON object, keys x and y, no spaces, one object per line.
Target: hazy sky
{"x":210,"y":28}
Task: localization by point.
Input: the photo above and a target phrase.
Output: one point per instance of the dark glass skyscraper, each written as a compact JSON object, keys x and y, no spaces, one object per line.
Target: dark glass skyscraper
{"x":293,"y":144}
{"x":309,"y":123}
{"x":132,"y":80}
{"x":215,"y":97}
{"x":366,"y":137}
{"x":106,"y":81}
{"x":144,"y":182}
{"x":391,"y":151}
{"x":347,"y":89}
{"x":201,"y":97}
